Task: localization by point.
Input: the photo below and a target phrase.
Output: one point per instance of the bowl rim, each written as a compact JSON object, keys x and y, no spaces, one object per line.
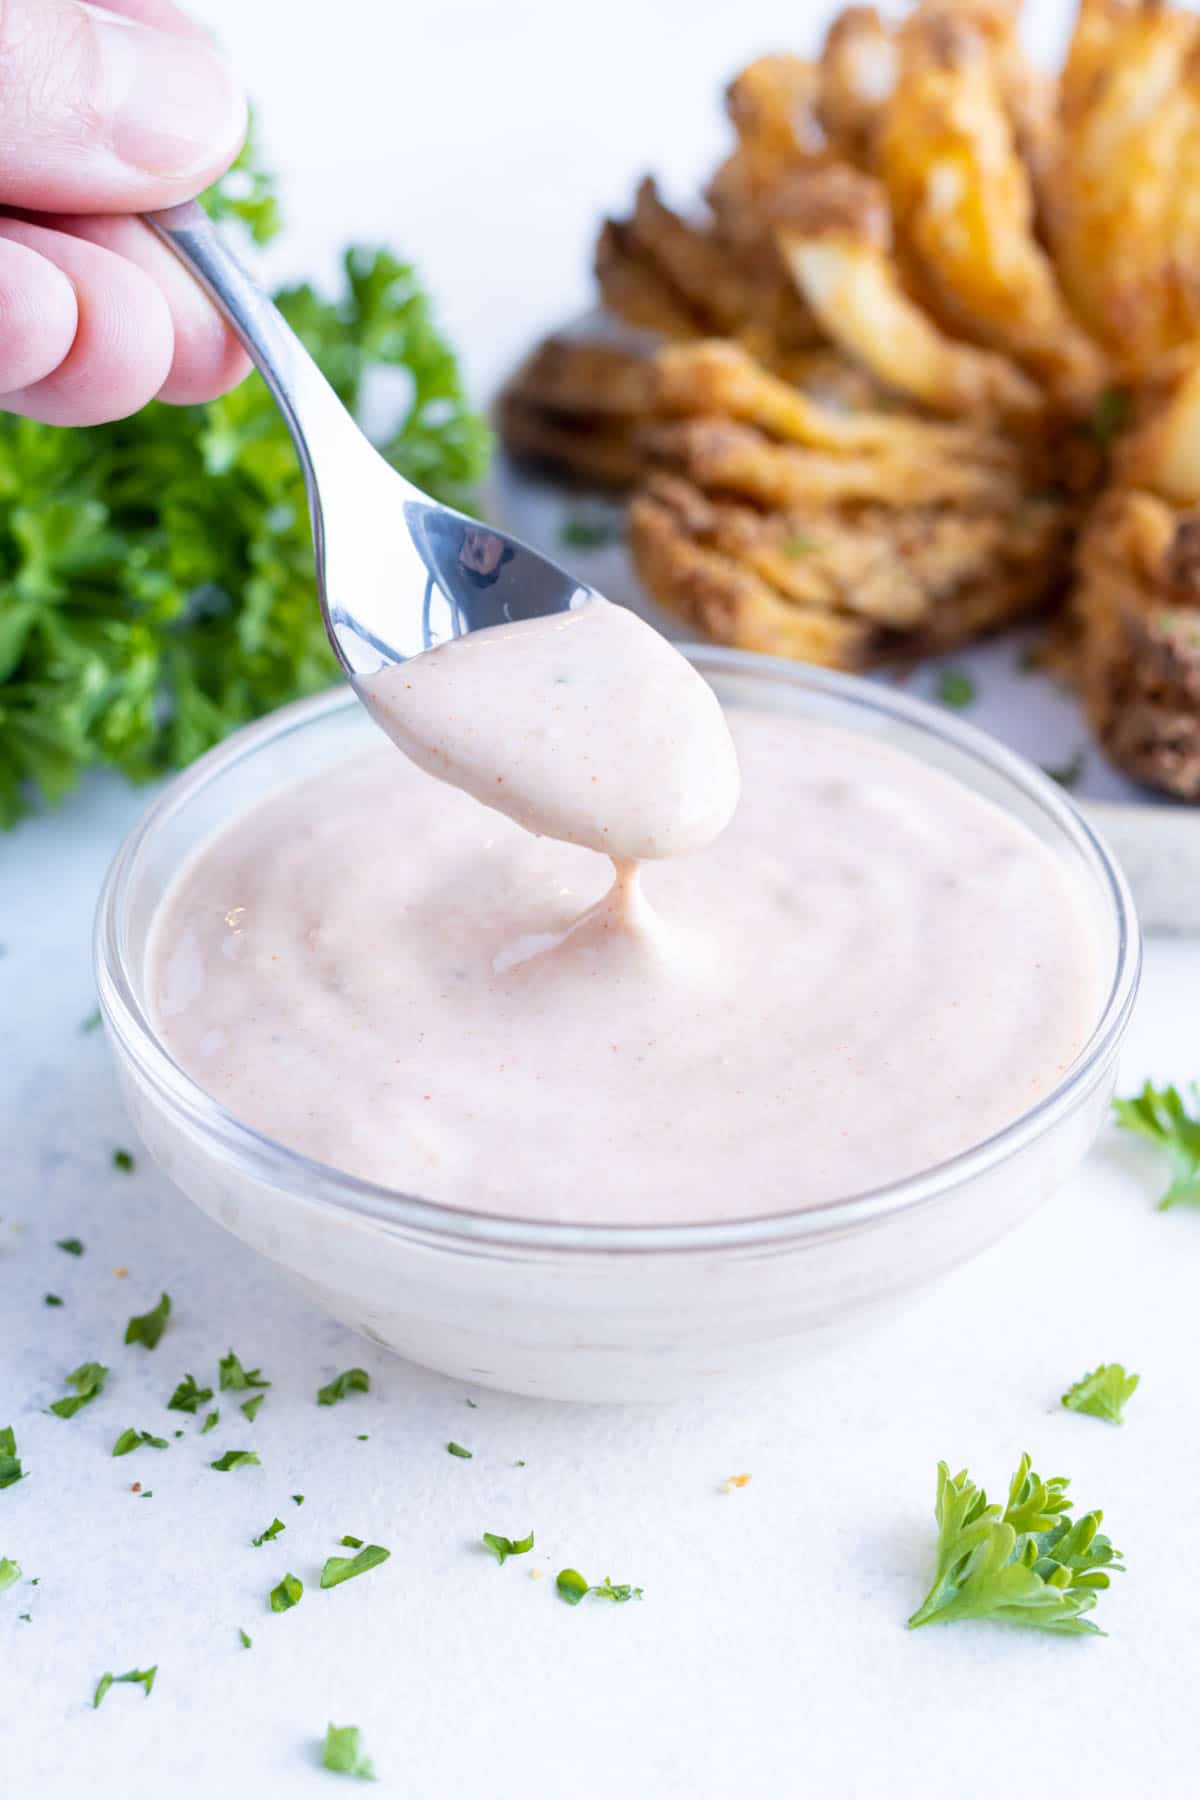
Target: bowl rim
{"x":303,"y":1178}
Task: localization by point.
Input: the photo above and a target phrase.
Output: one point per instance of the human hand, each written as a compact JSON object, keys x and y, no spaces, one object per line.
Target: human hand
{"x":105,"y":112}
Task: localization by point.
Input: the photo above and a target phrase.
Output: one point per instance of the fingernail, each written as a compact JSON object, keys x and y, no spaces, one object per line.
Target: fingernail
{"x":173,"y":106}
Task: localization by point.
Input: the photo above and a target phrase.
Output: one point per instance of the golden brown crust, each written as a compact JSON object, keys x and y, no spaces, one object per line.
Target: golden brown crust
{"x":849,"y":590}
{"x":1137,"y":613}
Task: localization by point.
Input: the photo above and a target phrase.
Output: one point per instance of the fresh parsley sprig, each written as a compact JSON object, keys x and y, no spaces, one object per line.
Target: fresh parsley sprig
{"x":1026,"y":1563}
{"x":1161,"y":1116}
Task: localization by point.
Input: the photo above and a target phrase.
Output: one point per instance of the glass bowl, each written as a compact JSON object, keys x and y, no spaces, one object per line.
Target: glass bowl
{"x":594,"y":1312}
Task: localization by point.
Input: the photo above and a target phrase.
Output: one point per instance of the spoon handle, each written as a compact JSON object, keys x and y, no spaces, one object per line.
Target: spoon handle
{"x":314,"y":415}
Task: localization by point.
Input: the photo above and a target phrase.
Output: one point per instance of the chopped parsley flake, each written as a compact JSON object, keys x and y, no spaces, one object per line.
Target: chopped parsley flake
{"x":91,"y":1023}
{"x":573,"y":1588}
{"x":272,"y":1531}
{"x":619,"y":1594}
{"x":233,"y":1375}
{"x":473,"y":1404}
{"x":457,"y":1450}
{"x":342,"y":1753}
{"x":235,"y":1459}
{"x":72,"y":1246}
{"x":189,"y":1397}
{"x":955,"y":689}
{"x":1103,"y":1393}
{"x":1161,"y":1116}
{"x":1110,"y":415}
{"x":299,"y":1499}
{"x":147,"y":1328}
{"x":588,"y":534}
{"x":10,"y":1572}
{"x":1026,"y":1563}
{"x":246,"y":1641}
{"x":287,"y":1594}
{"x":352,"y":1543}
{"x":10,"y":1463}
{"x":88,"y":1381}
{"x":344,"y":1568}
{"x":144,"y":1678}
{"x":504,"y":1547}
{"x":209,"y":1422}
{"x":52,"y":1300}
{"x":250,"y":1407}
{"x":124,"y":1161}
{"x":349,"y":1381}
{"x":798,"y":544}
{"x":1069,"y":774}
{"x":129,"y":1440}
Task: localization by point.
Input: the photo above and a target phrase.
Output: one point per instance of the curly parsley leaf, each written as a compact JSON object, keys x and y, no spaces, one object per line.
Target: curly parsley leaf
{"x":1161,"y":1116}
{"x":88,"y":1380}
{"x":287,"y":1594}
{"x":144,"y":1678}
{"x":156,"y":573}
{"x":344,"y":1568}
{"x":10,"y":1463}
{"x":231,"y":1374}
{"x":504,"y":1547}
{"x":1103,"y":1393}
{"x":355,"y":1381}
{"x":129,"y":1440}
{"x":1024,"y":1564}
{"x":272,"y":1531}
{"x":189,"y":1396}
{"x":147,"y":1328}
{"x":235,"y":1459}
{"x":342,"y":1753}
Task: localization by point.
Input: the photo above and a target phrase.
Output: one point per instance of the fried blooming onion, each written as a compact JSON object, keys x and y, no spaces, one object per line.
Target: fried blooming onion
{"x":929,"y":363}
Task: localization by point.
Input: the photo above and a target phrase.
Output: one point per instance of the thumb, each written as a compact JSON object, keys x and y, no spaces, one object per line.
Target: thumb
{"x":104,"y":113}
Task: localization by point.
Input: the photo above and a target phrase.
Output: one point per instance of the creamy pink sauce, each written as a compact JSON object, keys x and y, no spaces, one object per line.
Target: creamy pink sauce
{"x":871,"y":969}
{"x":587,"y":726}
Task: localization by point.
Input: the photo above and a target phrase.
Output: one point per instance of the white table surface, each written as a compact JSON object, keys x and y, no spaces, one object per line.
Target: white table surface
{"x":769,"y":1655}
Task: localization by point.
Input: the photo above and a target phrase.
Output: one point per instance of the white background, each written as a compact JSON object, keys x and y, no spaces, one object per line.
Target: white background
{"x":769,"y":1655}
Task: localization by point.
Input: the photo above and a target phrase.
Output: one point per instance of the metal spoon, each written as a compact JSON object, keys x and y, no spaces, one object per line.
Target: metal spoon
{"x":397,"y":572}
